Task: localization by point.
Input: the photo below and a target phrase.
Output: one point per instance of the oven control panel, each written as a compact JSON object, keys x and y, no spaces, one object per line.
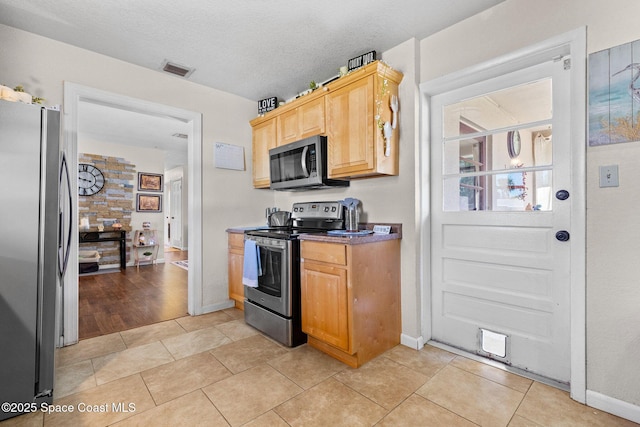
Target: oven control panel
{"x":317,"y":210}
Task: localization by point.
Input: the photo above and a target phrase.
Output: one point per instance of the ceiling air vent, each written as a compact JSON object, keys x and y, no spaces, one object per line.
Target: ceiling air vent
{"x":178,"y":70}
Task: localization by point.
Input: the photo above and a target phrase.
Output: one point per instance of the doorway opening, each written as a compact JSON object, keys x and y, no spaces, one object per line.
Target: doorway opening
{"x":75,"y":96}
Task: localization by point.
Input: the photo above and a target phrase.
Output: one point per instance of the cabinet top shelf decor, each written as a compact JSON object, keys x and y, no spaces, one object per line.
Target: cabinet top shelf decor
{"x":375,"y":67}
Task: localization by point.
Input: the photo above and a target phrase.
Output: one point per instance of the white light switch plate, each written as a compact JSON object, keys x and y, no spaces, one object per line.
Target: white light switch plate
{"x":609,"y":176}
{"x":382,"y":229}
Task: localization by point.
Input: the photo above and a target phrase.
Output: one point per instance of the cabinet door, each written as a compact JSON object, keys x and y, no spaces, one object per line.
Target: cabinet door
{"x":264,"y":138}
{"x":235,"y":266}
{"x":325,"y":313}
{"x":302,"y":122}
{"x":311,"y":118}
{"x":288,"y":127}
{"x":236,"y":288}
{"x":350,"y":129}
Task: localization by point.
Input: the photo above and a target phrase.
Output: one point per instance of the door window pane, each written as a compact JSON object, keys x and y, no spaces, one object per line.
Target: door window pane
{"x":514,"y":106}
{"x":512,"y":191}
{"x":498,"y":152}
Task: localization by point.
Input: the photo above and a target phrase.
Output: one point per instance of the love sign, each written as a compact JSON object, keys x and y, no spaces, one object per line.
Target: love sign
{"x":267,"y":104}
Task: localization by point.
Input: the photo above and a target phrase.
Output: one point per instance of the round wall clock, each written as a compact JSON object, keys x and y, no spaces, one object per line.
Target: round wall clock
{"x":90,"y":179}
{"x":513,"y":143}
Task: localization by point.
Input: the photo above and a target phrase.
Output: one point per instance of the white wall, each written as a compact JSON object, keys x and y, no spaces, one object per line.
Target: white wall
{"x":42,"y":65}
{"x":613,"y":225}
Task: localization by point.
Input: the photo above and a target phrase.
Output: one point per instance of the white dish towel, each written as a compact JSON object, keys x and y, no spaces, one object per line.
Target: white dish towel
{"x":251,"y":268}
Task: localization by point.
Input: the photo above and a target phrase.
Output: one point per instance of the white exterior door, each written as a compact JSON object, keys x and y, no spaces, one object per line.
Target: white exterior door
{"x":175,"y":213}
{"x":500,"y":267}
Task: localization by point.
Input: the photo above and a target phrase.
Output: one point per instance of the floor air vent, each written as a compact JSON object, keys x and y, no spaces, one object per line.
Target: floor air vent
{"x":178,"y":70}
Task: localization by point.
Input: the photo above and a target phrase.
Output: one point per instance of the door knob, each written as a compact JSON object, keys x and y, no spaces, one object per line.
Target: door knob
{"x":563,"y":235}
{"x":562,"y":195}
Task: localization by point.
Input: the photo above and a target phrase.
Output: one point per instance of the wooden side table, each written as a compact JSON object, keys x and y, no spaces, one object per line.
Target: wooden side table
{"x":145,"y":246}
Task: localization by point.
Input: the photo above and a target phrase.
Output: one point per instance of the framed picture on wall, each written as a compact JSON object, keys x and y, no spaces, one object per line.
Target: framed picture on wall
{"x":149,"y":203}
{"x":149,"y":181}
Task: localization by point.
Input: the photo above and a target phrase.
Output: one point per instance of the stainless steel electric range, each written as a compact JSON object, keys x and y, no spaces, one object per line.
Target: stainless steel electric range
{"x":273,"y":307}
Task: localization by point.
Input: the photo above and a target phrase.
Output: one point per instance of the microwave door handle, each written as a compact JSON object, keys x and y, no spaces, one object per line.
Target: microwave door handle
{"x":304,"y":161}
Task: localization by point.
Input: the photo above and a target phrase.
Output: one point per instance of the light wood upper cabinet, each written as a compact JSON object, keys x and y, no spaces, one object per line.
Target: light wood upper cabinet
{"x":264,"y":139}
{"x":287,"y":127}
{"x":351,"y":139}
{"x":306,"y":120}
{"x":350,"y":112}
{"x":311,"y":118}
{"x":356,"y":109}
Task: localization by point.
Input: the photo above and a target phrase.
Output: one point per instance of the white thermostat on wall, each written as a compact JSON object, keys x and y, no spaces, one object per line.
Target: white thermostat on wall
{"x":381,"y":229}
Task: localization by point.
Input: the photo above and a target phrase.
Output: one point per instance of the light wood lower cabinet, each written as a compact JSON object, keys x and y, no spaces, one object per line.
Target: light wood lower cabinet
{"x":324,"y":307}
{"x":235,"y":264}
{"x":351,"y":298}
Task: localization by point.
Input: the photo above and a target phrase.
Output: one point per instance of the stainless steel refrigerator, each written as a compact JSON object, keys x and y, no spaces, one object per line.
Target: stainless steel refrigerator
{"x":35,"y":224}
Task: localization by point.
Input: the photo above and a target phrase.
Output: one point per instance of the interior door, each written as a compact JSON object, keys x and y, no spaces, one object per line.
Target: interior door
{"x":501,"y":174}
{"x":176,"y":213}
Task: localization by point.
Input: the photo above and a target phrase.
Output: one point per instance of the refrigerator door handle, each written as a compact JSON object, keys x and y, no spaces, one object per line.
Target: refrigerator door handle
{"x":64,"y":245}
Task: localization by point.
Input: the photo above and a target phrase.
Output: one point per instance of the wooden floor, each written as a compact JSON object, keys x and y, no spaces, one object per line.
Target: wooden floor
{"x":118,"y":301}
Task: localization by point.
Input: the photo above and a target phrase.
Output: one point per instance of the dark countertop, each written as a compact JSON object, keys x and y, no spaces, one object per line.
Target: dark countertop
{"x":241,"y":230}
{"x":396,"y":233}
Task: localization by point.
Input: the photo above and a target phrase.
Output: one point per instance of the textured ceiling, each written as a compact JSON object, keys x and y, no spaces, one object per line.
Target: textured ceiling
{"x":103,"y":123}
{"x":251,"y":48}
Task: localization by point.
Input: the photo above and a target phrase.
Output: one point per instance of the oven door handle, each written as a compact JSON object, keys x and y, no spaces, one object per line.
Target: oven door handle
{"x":305,"y":170}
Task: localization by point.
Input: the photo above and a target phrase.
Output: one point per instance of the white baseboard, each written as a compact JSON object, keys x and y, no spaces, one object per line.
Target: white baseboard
{"x":411,"y":342}
{"x":218,"y":306}
{"x":613,"y":406}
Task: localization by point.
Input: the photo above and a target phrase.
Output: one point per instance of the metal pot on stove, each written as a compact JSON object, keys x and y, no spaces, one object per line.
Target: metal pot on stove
{"x":280,"y":219}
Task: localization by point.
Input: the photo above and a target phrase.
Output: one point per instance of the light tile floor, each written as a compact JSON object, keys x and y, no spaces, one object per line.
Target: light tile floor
{"x":214,"y":370}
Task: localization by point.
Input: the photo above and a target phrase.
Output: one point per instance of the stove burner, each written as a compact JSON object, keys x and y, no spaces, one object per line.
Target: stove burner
{"x":284,"y":233}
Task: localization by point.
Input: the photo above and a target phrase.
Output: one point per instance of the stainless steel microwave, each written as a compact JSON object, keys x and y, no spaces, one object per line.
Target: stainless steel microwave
{"x":301,"y":165}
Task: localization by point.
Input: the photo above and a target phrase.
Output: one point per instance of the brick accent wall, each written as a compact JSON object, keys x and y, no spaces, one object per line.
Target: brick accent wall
{"x":114,"y":202}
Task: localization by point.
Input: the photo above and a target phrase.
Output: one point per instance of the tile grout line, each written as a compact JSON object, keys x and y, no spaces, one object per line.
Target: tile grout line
{"x":515,"y":412}
{"x":303,"y":390}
